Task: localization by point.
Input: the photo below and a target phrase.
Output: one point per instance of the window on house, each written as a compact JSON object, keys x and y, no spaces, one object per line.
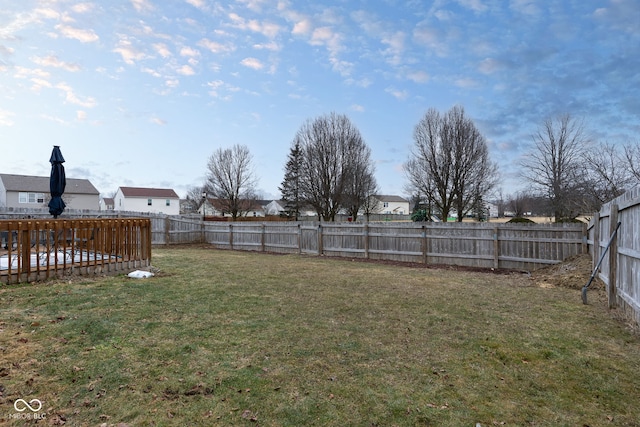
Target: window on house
{"x":30,"y":197}
{"x":168,"y":202}
{"x":385,"y":204}
{"x":149,"y":202}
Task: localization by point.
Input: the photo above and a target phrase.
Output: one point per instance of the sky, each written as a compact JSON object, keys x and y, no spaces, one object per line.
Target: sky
{"x":141,"y":92}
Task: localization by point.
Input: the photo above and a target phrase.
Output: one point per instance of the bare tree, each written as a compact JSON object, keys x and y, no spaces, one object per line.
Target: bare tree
{"x":519,"y":203}
{"x":607,"y":175}
{"x":449,"y":163}
{"x":632,"y":159}
{"x":335,"y":162}
{"x":231,"y":180}
{"x":555,"y":165}
{"x":194,"y":198}
{"x":361,"y":185}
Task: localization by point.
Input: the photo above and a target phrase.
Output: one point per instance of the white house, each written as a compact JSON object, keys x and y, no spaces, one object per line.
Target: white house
{"x":26,"y":191}
{"x":391,"y":205}
{"x":152,"y":200}
{"x":106,"y":204}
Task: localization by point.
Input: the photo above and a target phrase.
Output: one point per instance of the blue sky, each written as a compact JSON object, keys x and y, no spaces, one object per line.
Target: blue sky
{"x":142,"y":92}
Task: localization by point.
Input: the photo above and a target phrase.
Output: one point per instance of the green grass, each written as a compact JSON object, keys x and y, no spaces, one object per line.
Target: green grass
{"x":232,"y":338}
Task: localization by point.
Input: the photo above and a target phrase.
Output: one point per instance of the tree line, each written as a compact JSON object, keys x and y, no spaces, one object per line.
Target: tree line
{"x":449,"y":171}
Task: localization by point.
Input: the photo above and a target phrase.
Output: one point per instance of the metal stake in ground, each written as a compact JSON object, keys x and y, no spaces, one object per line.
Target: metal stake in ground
{"x":595,"y":270}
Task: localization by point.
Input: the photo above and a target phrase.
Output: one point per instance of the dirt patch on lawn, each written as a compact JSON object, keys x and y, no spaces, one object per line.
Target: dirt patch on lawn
{"x":572,"y":273}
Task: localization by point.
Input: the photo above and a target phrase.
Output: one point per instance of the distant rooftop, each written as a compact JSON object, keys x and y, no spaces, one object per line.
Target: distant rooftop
{"x":41,"y":184}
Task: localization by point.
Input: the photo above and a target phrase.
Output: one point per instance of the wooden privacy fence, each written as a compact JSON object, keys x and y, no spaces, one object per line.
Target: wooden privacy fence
{"x":39,"y":249}
{"x":485,"y":245}
{"x":620,"y":268}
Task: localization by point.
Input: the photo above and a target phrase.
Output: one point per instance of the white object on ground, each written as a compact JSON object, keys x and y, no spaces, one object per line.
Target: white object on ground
{"x":139,"y":274}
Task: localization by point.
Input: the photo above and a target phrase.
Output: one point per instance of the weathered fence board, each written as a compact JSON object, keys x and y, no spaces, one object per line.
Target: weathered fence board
{"x":484,"y":245}
{"x":620,"y":268}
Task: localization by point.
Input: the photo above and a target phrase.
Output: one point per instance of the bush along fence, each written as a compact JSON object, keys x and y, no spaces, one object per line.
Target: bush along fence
{"x":38,"y":249}
{"x":620,"y":267}
{"x":483,"y":245}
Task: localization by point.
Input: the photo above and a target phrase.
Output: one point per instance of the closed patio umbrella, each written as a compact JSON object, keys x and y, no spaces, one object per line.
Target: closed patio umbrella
{"x":57,"y":182}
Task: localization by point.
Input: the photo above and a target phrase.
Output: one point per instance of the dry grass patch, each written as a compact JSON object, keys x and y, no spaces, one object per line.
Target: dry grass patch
{"x":233,"y":338}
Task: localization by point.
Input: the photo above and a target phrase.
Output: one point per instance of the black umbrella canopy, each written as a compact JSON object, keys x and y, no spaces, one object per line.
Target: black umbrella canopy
{"x":57,"y":182}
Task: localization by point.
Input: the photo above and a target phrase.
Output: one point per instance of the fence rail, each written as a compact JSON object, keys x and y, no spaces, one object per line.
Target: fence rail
{"x":35,"y":249}
{"x":620,"y":268}
{"x":484,"y":245}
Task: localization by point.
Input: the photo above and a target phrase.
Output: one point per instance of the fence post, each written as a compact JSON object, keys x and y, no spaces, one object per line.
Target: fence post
{"x":320,"y":249}
{"x":167,"y":235}
{"x":613,"y":257}
{"x":596,"y":240}
{"x":230,"y":236}
{"x":496,"y":248}
{"x":299,"y":239}
{"x":423,"y":243}
{"x":366,"y":240}
{"x":262,"y":229}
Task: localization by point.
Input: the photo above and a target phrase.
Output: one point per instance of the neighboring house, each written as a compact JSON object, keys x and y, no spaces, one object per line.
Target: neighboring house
{"x":275,"y":207}
{"x":26,"y":191}
{"x":151,"y":200}
{"x":492,"y":208}
{"x":391,"y":205}
{"x":216,"y":207}
{"x":106,"y":204}
{"x":279,"y":207}
{"x":187,"y":207}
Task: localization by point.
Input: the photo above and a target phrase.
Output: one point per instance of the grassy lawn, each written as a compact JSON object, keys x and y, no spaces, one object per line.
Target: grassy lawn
{"x":232,"y":339}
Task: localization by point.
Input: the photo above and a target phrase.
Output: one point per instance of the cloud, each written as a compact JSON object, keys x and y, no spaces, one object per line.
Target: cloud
{"x":38,"y":84}
{"x":72,"y":98}
{"x":302,"y":27}
{"x":525,"y":7}
{"x":418,"y":76}
{"x":431,"y":38}
{"x":161,"y":49}
{"x":396,"y":93}
{"x":172,"y":83}
{"x":142,"y":5}
{"x":357,"y":107}
{"x":394,"y":52}
{"x":6,"y":118}
{"x":490,"y":66}
{"x":84,"y":36}
{"x":186,"y":70}
{"x":466,"y":82}
{"x":158,"y":121}
{"x":189,"y":51}
{"x":267,"y":29}
{"x":53,"y":61}
{"x":23,"y":72}
{"x":272,"y":46}
{"x":252,"y":63}
{"x":81,"y":115}
{"x":216,"y":47}
{"x":255,"y":5}
{"x":83,"y":7}
{"x":126,"y":50}
{"x":199,"y":4}
{"x":475,"y":5}
{"x":217,"y":86}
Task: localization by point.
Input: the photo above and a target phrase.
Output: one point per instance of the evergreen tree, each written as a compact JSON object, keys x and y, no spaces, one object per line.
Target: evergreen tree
{"x":290,"y":187}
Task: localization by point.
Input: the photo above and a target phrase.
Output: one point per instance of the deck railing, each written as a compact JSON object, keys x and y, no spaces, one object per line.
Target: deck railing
{"x":37,"y":249}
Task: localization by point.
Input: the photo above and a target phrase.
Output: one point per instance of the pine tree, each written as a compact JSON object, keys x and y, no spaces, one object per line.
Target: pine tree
{"x":290,"y":187}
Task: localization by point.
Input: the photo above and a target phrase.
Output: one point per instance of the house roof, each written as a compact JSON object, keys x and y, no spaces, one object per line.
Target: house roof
{"x":164,"y":193}
{"x":108,"y":200}
{"x":387,"y":198}
{"x":40,"y":184}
